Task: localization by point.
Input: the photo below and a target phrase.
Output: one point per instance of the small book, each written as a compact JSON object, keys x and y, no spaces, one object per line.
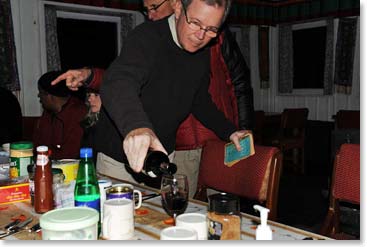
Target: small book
{"x":232,"y":156}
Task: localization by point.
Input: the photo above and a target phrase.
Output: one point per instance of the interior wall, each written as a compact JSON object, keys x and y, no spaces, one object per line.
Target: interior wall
{"x":321,"y":107}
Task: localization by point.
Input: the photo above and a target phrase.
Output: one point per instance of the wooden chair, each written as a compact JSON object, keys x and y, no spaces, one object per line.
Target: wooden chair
{"x":258,"y":128}
{"x":345,"y":187}
{"x":347,"y":119}
{"x":291,"y":136}
{"x":255,"y":178}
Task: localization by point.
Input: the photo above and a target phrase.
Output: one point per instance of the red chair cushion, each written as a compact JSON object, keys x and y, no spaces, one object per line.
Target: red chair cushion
{"x":347,"y":174}
{"x":246,"y":178}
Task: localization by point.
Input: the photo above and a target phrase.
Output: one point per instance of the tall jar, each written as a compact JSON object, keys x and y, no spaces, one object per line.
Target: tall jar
{"x":224,"y":218}
{"x":21,"y":155}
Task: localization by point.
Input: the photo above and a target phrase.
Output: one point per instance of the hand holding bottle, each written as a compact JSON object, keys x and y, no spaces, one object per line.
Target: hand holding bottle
{"x":136,"y":145}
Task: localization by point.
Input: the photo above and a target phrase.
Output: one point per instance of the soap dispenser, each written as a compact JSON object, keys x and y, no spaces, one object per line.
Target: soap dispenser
{"x":263,"y":231}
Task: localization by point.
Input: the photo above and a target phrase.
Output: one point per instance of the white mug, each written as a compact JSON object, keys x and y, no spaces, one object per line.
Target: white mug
{"x":178,"y":233}
{"x":118,"y":219}
{"x":196,"y":221}
{"x":103,"y":185}
{"x":124,"y":191}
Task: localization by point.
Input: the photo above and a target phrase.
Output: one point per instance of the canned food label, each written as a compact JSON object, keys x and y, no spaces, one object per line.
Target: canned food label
{"x":215,"y":229}
{"x":13,"y":170}
{"x":19,"y":168}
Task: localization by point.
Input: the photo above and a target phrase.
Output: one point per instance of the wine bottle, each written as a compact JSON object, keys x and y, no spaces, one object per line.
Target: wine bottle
{"x":157,"y":163}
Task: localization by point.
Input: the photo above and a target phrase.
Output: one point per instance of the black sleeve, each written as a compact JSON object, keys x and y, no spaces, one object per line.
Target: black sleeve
{"x":122,"y":84}
{"x":241,"y":79}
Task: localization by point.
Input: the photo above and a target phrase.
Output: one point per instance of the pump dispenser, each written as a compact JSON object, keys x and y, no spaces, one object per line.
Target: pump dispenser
{"x":263,"y":231}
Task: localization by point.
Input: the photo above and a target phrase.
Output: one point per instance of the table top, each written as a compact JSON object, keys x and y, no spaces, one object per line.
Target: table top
{"x":150,"y":220}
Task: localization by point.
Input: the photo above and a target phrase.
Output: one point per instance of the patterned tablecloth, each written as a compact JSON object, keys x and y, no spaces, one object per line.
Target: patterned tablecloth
{"x":151,"y":218}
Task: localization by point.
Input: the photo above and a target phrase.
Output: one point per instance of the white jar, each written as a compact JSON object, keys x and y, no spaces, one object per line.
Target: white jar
{"x":76,"y":223}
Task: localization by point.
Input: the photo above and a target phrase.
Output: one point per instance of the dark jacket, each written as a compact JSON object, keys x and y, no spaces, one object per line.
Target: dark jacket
{"x":231,"y":91}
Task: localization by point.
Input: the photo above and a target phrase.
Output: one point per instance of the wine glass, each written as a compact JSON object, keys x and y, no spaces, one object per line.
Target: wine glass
{"x":174,"y":194}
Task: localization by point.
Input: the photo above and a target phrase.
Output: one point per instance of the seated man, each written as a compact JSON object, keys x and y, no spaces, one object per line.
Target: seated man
{"x":11,"y":121}
{"x":59,"y":126}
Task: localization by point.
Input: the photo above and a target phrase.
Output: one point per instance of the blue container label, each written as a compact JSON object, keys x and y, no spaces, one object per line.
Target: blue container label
{"x":91,"y":204}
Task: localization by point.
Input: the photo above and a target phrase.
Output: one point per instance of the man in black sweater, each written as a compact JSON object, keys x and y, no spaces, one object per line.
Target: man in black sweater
{"x":162,"y":75}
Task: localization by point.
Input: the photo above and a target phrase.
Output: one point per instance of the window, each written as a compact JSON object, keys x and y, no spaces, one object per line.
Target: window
{"x":87,"y":40}
{"x":309,"y":57}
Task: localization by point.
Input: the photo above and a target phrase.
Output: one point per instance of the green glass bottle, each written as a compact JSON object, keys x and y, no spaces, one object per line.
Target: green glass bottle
{"x":86,"y":192}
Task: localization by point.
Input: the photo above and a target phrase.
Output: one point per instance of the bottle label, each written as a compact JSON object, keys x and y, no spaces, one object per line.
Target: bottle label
{"x":42,"y":160}
{"x":152,"y":174}
{"x":215,"y":229}
{"x":91,"y":204}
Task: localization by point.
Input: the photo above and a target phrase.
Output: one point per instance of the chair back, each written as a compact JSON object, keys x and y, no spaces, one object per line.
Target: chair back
{"x":259,"y":125}
{"x":347,"y":119}
{"x":255,"y":178}
{"x":345,"y":186}
{"x":346,"y":175}
{"x":294,"y":118}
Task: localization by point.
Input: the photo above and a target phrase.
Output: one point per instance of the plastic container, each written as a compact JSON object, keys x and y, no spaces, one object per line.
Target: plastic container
{"x":263,"y":231}
{"x":77,"y":223}
{"x":21,"y":155}
{"x":224,"y":219}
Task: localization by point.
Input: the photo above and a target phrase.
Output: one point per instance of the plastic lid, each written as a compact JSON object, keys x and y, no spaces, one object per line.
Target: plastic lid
{"x":42,"y":149}
{"x":86,"y":153}
{"x":21,"y":145}
{"x":69,"y":219}
{"x":224,"y":203}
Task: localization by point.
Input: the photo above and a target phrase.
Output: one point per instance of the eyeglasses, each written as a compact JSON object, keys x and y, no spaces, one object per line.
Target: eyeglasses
{"x":196,"y":26}
{"x":153,"y":7}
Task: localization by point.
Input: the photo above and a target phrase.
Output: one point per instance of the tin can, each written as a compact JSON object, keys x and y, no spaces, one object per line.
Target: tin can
{"x":69,"y":168}
{"x":124,"y":191}
{"x":21,"y":155}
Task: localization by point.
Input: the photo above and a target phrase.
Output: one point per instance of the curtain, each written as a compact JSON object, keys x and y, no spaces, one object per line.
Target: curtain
{"x":9,"y":77}
{"x":344,"y":55}
{"x":52,"y":45}
{"x":285,"y":74}
{"x":328,"y":69}
{"x":264,"y":56}
{"x":244,"y":44}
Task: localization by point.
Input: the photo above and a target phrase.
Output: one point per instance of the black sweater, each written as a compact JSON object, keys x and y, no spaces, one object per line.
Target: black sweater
{"x":156,"y":84}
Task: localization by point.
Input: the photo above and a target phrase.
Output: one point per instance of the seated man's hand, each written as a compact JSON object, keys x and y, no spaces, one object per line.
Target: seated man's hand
{"x":136,"y":145}
{"x":74,"y":78}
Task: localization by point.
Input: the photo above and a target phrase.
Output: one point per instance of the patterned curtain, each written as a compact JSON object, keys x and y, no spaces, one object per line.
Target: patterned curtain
{"x":9,"y":77}
{"x":328,"y":70}
{"x":285,"y":81}
{"x":52,"y":45}
{"x":264,"y":56}
{"x":344,"y":57}
{"x":244,"y":43}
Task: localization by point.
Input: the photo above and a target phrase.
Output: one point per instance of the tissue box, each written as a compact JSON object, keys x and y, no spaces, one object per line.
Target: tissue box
{"x":14,"y":193}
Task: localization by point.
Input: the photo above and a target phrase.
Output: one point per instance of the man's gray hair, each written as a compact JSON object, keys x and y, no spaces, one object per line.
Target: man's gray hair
{"x":225,"y":3}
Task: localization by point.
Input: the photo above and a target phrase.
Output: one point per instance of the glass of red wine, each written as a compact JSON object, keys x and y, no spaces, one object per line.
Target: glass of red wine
{"x":174,"y":194}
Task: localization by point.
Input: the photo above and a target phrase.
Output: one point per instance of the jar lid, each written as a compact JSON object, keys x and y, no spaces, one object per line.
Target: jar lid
{"x":21,"y":145}
{"x":69,"y":219}
{"x":57,"y":171}
{"x":224,"y":203}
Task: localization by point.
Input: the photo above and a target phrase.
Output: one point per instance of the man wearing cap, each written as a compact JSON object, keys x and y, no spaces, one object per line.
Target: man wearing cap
{"x":59,"y":126}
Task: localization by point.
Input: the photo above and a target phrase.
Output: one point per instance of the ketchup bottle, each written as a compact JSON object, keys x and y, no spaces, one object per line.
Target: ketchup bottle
{"x":43,"y":196}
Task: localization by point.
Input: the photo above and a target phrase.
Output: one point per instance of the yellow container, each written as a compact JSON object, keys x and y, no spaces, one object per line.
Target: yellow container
{"x":69,"y":168}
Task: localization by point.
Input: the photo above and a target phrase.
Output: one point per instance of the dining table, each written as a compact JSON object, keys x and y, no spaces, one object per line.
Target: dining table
{"x":150,"y":219}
